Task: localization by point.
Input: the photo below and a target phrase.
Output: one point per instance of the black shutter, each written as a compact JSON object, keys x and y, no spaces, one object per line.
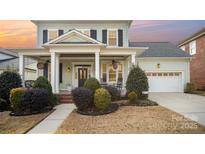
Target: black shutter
{"x":104,"y":36}
{"x":60,"y":32}
{"x":45,"y":36}
{"x":61,"y":72}
{"x":45,"y":70}
{"x":93,"y":34}
{"x":120,"y":37}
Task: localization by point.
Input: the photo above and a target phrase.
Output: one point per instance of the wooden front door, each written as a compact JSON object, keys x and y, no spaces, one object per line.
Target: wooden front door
{"x":82,"y":76}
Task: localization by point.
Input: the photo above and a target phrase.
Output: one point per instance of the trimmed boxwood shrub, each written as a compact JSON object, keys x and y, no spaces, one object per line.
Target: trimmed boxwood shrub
{"x":114,"y":92}
{"x":42,"y":82}
{"x":137,"y":81}
{"x":16,"y":99}
{"x":82,"y":97}
{"x":132,"y":96}
{"x":102,"y":99}
{"x":92,"y":84}
{"x":36,"y":100}
{"x":8,"y":81}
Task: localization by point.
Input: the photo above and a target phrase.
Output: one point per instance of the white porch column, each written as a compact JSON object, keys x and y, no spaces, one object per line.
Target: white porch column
{"x":97,"y":65}
{"x":57,"y":73}
{"x":21,"y":68}
{"x":133,"y":59}
{"x":53,"y":71}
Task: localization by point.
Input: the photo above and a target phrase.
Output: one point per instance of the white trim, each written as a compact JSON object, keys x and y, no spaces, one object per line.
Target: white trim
{"x":192,"y":47}
{"x":116,"y":37}
{"x":163,"y":57}
{"x":48,"y":34}
{"x":74,"y":31}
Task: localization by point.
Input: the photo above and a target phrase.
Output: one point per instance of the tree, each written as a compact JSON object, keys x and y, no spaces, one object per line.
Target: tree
{"x":137,"y":81}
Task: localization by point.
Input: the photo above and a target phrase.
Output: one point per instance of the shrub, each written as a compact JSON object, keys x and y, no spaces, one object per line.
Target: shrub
{"x":137,"y":81}
{"x":114,"y":92}
{"x":16,"y":99}
{"x":132,"y":96}
{"x":2,"y":104}
{"x":82,"y":97}
{"x":190,"y":87}
{"x":42,"y":82}
{"x":36,"y":100}
{"x":102,"y":99}
{"x":92,"y":84}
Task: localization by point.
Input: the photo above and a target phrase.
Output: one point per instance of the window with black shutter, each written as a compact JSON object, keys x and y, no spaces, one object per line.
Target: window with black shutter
{"x":61,"y":73}
{"x":45,"y":70}
{"x":93,"y":34}
{"x":60,"y":32}
{"x":120,"y":37}
{"x":45,"y":36}
{"x":104,"y":36}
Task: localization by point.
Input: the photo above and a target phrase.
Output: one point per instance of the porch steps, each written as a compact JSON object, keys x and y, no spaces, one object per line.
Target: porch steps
{"x":65,"y":99}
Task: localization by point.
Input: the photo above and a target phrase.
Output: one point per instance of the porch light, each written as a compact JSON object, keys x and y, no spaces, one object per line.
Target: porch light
{"x":69,"y":69}
{"x":114,"y":64}
{"x":158,"y":65}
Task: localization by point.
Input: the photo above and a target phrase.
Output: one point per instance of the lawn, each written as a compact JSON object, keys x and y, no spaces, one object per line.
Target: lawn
{"x":19,"y":124}
{"x":130,"y":119}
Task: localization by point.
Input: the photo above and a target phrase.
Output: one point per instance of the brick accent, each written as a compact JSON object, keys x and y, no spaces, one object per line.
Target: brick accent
{"x":197,"y":64}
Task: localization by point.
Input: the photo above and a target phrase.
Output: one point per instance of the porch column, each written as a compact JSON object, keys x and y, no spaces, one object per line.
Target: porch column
{"x":53,"y":71}
{"x":21,"y":68}
{"x":97,"y":65}
{"x":133,"y":59}
{"x":57,"y":73}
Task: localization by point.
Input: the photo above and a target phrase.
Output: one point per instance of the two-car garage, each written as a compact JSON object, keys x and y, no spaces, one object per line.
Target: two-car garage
{"x":165,"y":81}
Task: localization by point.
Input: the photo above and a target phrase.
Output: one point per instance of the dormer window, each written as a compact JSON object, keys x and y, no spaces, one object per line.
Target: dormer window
{"x":52,"y":34}
{"x":112,"y":37}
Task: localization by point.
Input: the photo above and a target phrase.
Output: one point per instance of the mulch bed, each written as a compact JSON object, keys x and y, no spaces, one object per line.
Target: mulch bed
{"x":131,"y":120}
{"x":95,"y":112}
{"x":19,"y":124}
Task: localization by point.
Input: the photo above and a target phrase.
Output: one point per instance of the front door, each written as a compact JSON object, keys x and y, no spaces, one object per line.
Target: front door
{"x":82,"y":76}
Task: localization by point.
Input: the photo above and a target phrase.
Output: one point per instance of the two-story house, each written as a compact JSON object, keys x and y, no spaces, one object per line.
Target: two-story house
{"x":69,"y":52}
{"x":195,"y":46}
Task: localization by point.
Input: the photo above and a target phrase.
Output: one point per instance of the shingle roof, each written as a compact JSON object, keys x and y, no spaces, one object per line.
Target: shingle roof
{"x":159,"y":49}
{"x":193,"y":36}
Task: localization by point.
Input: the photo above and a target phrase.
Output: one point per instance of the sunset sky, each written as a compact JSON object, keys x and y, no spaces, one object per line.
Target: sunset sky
{"x":21,"y":34}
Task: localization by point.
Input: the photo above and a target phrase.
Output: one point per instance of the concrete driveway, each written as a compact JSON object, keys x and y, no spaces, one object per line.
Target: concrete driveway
{"x":189,"y":105}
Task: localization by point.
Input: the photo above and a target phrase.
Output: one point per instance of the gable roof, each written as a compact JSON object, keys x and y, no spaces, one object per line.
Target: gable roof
{"x":159,"y":49}
{"x":82,"y":39}
{"x":192,"y":37}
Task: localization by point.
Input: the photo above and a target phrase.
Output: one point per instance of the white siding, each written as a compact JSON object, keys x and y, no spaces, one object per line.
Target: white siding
{"x":95,"y":25}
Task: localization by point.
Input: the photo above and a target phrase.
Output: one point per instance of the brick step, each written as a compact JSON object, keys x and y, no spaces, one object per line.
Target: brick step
{"x":66,"y":101}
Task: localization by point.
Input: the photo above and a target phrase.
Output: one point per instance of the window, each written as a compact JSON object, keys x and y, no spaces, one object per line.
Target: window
{"x":111,"y":73}
{"x":119,"y":73}
{"x":52,"y":34}
{"x":183,"y":48}
{"x":104,"y":73}
{"x":112,"y":37}
{"x":192,"y":47}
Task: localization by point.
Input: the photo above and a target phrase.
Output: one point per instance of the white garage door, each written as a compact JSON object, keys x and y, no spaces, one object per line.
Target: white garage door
{"x":165,"y":81}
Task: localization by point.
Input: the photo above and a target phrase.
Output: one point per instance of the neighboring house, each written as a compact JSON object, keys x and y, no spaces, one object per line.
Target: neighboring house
{"x":69,"y":52}
{"x":195,"y":46}
{"x":9,"y":62}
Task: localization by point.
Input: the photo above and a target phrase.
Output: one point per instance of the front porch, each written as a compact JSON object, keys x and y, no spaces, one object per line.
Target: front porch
{"x":68,"y":71}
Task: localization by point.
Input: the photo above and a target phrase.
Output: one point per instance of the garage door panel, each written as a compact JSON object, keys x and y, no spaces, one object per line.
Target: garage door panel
{"x":164,"y":83}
